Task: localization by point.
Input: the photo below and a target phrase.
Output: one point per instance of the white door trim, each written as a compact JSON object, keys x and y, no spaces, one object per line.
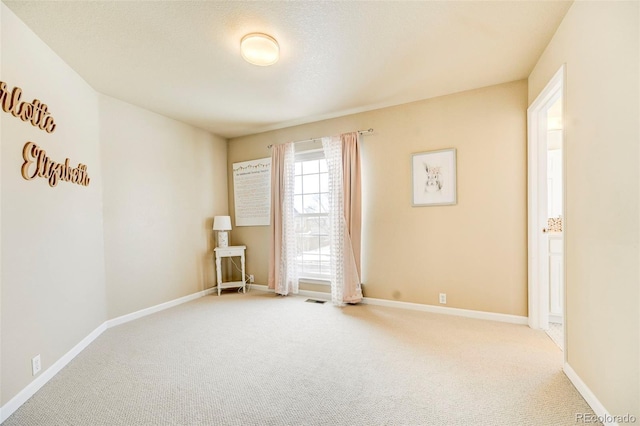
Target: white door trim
{"x":536,"y":187}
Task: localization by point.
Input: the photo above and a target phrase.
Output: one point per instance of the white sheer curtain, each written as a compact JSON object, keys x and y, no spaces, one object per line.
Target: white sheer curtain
{"x":345,"y":252}
{"x":283,"y":267}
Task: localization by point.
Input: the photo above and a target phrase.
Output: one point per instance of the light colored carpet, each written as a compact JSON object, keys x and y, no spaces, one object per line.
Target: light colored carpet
{"x":261,"y":359}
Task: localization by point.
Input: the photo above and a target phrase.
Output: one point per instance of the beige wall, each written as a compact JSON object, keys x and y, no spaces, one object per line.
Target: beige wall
{"x":474,"y":251}
{"x":53,"y":279}
{"x":598,"y":42}
{"x":155,"y":186}
{"x":163,"y":183}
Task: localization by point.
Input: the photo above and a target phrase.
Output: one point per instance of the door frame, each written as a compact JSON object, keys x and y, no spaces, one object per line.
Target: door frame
{"x":538,"y":289}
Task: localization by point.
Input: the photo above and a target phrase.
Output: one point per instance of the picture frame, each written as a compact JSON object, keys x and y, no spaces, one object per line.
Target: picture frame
{"x":433,"y":178}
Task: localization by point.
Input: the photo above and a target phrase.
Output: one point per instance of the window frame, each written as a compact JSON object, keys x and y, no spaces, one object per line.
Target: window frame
{"x":306,"y":276}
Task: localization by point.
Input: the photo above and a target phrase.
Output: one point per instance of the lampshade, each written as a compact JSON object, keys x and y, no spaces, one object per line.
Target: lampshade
{"x":222,"y":223}
{"x":259,"y":49}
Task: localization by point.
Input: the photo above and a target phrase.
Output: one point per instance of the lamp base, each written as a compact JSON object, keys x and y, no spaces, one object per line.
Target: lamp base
{"x":223,"y":239}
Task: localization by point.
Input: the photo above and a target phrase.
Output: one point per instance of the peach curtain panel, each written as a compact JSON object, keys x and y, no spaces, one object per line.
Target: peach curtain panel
{"x":343,"y":163}
{"x":283,"y":274}
{"x":352,"y":184}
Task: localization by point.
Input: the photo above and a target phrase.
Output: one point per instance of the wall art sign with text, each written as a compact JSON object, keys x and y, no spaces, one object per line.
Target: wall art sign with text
{"x":36,"y":161}
{"x":252,"y":192}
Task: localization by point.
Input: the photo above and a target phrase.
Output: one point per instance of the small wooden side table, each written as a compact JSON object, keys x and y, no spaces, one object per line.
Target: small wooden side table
{"x":231,"y":251}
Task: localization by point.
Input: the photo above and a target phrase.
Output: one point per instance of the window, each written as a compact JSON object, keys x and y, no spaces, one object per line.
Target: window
{"x":311,"y":205}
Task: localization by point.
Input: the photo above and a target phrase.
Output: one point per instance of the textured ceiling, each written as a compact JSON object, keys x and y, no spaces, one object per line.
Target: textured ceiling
{"x":181,"y":58}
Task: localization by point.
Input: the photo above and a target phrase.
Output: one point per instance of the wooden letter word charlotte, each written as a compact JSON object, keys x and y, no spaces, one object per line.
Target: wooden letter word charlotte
{"x":35,"y":112}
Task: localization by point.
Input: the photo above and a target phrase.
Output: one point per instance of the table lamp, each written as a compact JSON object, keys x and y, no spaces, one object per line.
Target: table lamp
{"x":222,"y":224}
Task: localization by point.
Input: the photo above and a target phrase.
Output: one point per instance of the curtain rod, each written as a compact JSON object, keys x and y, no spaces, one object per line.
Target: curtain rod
{"x":360,"y":132}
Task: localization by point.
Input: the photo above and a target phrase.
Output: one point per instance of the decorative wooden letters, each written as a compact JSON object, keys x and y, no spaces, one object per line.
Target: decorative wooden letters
{"x":35,"y":112}
{"x":36,"y":162}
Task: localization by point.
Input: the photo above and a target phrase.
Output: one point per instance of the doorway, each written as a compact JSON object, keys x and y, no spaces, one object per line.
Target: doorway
{"x":546,"y":159}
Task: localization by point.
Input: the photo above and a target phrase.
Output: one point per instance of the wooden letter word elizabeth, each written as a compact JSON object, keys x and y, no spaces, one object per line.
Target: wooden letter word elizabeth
{"x":38,"y":164}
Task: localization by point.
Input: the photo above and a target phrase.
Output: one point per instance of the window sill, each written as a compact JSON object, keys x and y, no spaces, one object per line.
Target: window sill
{"x":314,"y":281}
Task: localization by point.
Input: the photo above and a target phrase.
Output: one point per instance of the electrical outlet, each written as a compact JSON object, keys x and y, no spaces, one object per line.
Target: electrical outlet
{"x":35,"y":364}
{"x":443,"y":298}
{"x":251,"y":278}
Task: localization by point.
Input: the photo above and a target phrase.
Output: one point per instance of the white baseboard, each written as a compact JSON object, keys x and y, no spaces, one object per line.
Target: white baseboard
{"x":603,"y":415}
{"x":26,"y":393}
{"x":492,"y":316}
{"x":14,"y":403}
{"x":157,"y":308}
{"x":259,"y":287}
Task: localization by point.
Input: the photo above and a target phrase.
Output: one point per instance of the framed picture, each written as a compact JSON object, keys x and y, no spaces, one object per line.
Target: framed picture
{"x":434,"y":178}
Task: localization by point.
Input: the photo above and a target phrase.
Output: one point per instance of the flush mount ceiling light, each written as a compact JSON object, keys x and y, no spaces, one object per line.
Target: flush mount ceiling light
{"x":259,"y":49}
